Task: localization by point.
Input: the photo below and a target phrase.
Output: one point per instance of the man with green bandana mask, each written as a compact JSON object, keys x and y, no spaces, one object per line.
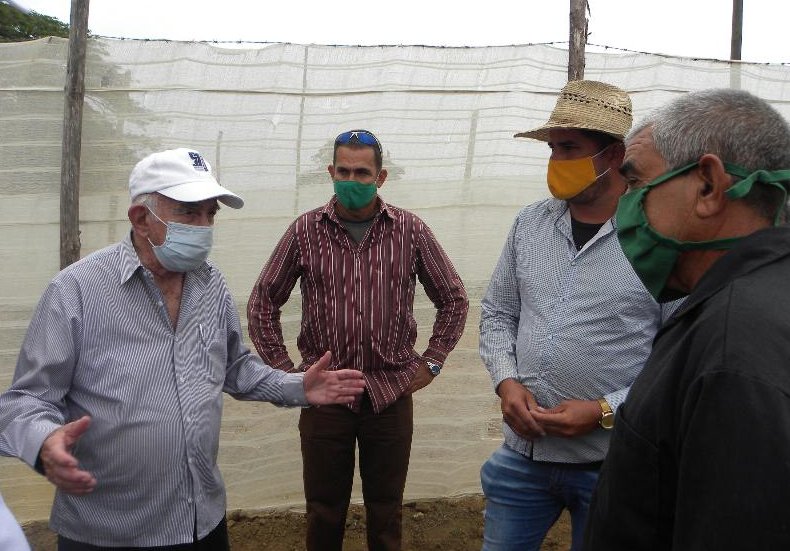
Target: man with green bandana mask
{"x":700,"y":451}
{"x":654,"y":255}
{"x":358,"y":259}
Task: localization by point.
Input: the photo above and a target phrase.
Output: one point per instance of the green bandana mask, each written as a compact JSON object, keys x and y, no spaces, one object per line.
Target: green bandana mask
{"x":354,"y":195}
{"x":653,"y":255}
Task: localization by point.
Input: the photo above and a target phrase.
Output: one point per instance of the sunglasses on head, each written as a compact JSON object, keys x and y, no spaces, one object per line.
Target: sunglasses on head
{"x":358,"y":136}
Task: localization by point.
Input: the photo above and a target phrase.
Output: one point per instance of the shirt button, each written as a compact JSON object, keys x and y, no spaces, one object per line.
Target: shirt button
{"x":549,"y":337}
{"x":189,"y":500}
{"x":187,"y":419}
{"x":182,"y":378}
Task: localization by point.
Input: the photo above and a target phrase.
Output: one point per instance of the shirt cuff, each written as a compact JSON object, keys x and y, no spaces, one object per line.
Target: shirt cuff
{"x":616,"y":398}
{"x":436,"y":356}
{"x":33,"y":441}
{"x":500,"y":373}
{"x":293,"y":390}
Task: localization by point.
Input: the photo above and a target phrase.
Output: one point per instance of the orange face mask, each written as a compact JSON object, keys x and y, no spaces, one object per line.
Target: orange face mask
{"x":568,"y":178}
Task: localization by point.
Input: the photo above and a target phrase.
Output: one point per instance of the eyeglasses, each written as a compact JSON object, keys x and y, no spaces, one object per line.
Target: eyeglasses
{"x":358,"y":136}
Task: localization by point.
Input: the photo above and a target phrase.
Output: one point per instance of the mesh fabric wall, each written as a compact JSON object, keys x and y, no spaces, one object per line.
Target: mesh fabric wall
{"x":265,"y":117}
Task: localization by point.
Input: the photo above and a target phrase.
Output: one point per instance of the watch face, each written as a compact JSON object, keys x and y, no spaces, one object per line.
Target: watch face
{"x":607,"y":421}
{"x":435,"y":369}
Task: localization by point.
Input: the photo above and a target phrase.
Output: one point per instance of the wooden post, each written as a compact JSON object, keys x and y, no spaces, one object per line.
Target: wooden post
{"x":72,"y":135}
{"x":578,"y":40}
{"x":737,"y":29}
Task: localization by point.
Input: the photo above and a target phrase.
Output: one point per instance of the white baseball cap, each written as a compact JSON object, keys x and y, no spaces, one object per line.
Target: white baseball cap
{"x":181,"y":174}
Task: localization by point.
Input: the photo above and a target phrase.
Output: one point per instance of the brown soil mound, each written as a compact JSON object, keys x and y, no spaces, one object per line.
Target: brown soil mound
{"x":452,"y":524}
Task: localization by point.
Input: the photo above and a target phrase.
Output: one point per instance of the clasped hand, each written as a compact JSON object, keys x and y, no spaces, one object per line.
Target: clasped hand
{"x":522,"y":413}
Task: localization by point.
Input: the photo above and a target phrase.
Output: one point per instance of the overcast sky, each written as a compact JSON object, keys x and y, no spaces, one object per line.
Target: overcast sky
{"x":691,"y":28}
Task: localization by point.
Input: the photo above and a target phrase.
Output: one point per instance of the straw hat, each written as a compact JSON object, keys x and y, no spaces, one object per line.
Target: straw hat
{"x":589,"y":105}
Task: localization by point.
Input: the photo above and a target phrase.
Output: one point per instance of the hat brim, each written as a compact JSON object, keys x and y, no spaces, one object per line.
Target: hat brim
{"x":542,"y":133}
{"x":201,"y":190}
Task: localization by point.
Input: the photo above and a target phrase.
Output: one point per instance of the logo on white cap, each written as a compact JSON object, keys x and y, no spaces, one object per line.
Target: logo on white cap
{"x":197,"y":161}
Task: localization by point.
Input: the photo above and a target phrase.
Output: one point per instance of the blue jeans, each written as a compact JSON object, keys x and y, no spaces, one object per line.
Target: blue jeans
{"x":524,"y":498}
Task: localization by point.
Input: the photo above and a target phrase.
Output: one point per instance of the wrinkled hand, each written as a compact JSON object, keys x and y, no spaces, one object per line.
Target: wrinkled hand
{"x":324,"y":387}
{"x":60,"y":466}
{"x":421,"y":379}
{"x":518,"y":405}
{"x":569,"y":418}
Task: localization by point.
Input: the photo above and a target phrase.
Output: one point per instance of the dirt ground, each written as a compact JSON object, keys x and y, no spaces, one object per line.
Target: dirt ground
{"x":453,"y":524}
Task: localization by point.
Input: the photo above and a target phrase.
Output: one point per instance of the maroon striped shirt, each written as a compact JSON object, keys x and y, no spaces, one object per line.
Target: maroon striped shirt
{"x":357,"y":299}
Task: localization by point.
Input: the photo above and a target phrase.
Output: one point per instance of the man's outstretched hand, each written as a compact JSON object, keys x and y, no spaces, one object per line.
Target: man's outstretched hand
{"x":324,"y":387}
{"x":60,"y":466}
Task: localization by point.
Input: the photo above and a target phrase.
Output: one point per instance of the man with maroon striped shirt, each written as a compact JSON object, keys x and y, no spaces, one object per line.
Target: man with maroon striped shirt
{"x":357,"y":259}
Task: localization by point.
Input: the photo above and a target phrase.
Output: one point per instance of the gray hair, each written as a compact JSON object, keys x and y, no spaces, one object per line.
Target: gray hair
{"x":148,"y":199}
{"x":734,"y":125}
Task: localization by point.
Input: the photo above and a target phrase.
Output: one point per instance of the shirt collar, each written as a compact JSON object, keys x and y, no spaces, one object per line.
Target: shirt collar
{"x":749,"y":254}
{"x":328,"y":210}
{"x":130,"y":262}
{"x":561,"y":215}
{"x":558,"y":208}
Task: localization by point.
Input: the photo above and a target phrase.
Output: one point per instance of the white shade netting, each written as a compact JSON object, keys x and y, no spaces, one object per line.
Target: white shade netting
{"x":265,"y":117}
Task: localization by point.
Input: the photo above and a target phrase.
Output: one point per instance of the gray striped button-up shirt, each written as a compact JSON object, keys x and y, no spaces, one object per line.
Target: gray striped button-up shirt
{"x":101,"y":344}
{"x":566,"y":324}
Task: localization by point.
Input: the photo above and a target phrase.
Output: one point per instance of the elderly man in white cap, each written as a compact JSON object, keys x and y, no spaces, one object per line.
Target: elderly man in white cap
{"x":566,"y":326}
{"x":117,"y":394}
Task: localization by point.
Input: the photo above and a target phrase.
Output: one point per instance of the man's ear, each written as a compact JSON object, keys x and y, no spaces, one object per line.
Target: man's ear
{"x":138,"y":217}
{"x":381,"y":177}
{"x":331,"y":170}
{"x":617,"y":153}
{"x":711,"y":187}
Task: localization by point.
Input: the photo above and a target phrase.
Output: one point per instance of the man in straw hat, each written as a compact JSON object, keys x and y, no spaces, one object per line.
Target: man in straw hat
{"x":117,"y":394}
{"x":700,"y":455}
{"x":566,"y":326}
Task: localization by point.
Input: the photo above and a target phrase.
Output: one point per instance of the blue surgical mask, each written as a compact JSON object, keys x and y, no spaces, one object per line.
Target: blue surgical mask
{"x":185,"y":248}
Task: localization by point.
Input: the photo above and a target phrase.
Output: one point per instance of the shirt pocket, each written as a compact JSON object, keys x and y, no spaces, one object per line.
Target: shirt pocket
{"x":213,"y":354}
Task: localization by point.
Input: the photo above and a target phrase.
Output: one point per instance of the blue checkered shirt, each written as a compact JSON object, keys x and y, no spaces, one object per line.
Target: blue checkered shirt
{"x":566,"y":324}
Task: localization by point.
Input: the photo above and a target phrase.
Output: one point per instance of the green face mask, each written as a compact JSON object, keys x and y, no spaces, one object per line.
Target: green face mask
{"x":354,"y":195}
{"x":653,"y":255}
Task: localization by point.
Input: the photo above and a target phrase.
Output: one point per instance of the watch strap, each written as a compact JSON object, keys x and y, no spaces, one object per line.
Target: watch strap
{"x":607,"y":415}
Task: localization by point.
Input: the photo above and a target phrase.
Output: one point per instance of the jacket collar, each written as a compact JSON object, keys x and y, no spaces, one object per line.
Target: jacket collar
{"x":751,"y":253}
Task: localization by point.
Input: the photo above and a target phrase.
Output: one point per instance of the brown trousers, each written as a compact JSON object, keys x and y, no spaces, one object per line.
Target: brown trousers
{"x":329,"y":434}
